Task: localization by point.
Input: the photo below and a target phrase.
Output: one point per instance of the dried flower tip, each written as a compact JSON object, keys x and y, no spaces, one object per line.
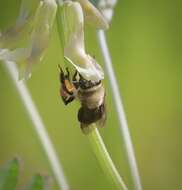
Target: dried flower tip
{"x":107,"y":8}
{"x":74,"y":51}
{"x":93,"y":15}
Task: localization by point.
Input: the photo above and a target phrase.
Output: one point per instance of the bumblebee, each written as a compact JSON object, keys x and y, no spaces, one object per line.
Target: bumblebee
{"x":91,"y":95}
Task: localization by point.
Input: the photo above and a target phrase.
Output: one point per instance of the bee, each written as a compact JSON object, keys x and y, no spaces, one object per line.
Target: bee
{"x":91,"y":95}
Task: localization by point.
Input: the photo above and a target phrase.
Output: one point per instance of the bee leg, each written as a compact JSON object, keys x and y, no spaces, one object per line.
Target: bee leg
{"x":75,"y":75}
{"x":68,"y":100}
{"x":74,"y":80}
{"x":81,"y":77}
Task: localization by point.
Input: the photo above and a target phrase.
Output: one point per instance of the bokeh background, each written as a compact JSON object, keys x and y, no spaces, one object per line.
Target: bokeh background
{"x":146,"y":47}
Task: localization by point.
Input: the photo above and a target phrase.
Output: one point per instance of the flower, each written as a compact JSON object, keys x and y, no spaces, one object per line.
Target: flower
{"x":39,"y":39}
{"x":74,"y":49}
{"x":38,"y":42}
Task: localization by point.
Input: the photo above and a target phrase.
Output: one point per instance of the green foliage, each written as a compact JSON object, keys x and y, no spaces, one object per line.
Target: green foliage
{"x":9,"y":177}
{"x":37,"y":183}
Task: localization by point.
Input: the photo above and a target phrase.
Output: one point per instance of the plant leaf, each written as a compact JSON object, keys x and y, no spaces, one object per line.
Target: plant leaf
{"x":37,"y":183}
{"x":9,"y":175}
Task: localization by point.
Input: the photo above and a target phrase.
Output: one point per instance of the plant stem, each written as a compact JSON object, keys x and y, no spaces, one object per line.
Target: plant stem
{"x":105,"y":159}
{"x":119,"y":110}
{"x":38,"y":125}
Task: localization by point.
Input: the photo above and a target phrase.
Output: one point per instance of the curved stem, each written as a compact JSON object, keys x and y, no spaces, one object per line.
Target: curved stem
{"x":38,"y":125}
{"x":120,"y":110}
{"x":105,"y":159}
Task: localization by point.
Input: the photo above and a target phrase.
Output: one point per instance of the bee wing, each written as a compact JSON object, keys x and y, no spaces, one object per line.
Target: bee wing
{"x":101,"y":122}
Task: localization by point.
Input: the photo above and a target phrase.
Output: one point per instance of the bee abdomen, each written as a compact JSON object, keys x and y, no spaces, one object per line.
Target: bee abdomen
{"x":88,"y":116}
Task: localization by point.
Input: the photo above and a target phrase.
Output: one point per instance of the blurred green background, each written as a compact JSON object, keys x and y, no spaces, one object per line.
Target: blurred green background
{"x":146,"y":47}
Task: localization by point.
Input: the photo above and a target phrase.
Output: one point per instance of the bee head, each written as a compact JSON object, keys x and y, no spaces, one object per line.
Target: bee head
{"x":67,"y":90}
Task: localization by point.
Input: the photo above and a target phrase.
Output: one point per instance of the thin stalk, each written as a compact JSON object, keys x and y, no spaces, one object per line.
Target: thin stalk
{"x":120,"y":110}
{"x":105,"y":159}
{"x":38,"y":125}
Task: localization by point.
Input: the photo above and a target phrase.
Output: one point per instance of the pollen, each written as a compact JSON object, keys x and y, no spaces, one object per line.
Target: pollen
{"x":69,"y":86}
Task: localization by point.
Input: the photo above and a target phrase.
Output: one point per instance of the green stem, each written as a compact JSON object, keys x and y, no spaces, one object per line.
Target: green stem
{"x":105,"y":159}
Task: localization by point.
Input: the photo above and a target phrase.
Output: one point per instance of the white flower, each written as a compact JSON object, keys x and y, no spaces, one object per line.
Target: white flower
{"x":74,"y":50}
{"x":39,"y":38}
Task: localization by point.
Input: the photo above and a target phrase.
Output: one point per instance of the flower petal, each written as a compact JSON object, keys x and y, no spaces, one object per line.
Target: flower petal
{"x":15,"y":33}
{"x":44,"y":19}
{"x":28,"y":57}
{"x":72,"y":20}
{"x":91,"y":71}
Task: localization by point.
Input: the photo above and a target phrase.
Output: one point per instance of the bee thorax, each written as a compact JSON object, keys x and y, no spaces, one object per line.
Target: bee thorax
{"x":91,"y":98}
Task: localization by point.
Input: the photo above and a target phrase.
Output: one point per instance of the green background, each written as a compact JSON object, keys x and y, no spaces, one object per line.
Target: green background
{"x":146,"y":47}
